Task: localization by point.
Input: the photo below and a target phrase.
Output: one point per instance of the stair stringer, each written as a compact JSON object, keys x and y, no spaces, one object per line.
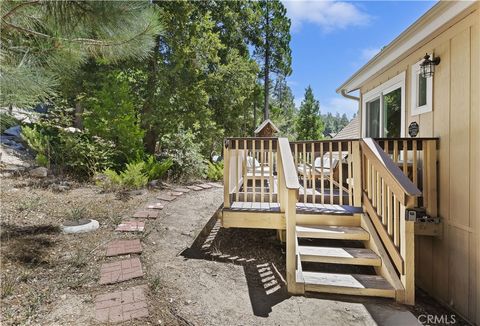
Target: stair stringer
{"x":386,"y":270}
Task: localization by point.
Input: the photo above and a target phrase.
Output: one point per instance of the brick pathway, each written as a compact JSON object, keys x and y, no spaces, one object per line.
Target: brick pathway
{"x":131,"y":226}
{"x":184,"y":190}
{"x":194,"y":188}
{"x":166,"y":197}
{"x":121,"y":306}
{"x":204,"y":186}
{"x":123,"y":247}
{"x":146,"y":213}
{"x":176,"y":193}
{"x":120,"y":271}
{"x":216,"y":185}
{"x":155,"y":206}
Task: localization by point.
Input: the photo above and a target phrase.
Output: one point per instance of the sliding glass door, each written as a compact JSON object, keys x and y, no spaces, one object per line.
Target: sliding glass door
{"x":384,"y":110}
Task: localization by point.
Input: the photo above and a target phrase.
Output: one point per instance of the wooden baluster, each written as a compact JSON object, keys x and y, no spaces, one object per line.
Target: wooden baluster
{"x":415,"y":167}
{"x":349,"y":177}
{"x":313,"y":172}
{"x":305,"y":185}
{"x":379,"y":193}
{"x":237,"y":179}
{"x":340,"y":173}
{"x":322,"y":186}
{"x":245,"y":171}
{"x":384,"y":202}
{"x":254,"y":168}
{"x":358,"y":167}
{"x":396,"y":221}
{"x":431,"y":172}
{"x":386,"y":147}
{"x":262,"y":169}
{"x":369,"y":178}
{"x":405,"y":158}
{"x":270,"y":171}
{"x":395,"y":152}
{"x":330,"y":151}
{"x":390,"y":209}
{"x":374,"y":186}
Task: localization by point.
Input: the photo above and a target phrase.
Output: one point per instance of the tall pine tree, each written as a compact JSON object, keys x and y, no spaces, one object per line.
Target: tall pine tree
{"x":309,"y":124}
{"x":272,"y":44}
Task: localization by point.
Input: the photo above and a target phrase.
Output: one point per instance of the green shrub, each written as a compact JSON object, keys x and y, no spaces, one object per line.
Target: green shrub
{"x":215,"y":171}
{"x":73,"y":153}
{"x":185,"y":151}
{"x":155,"y":169}
{"x":110,"y":113}
{"x":7,"y":121}
{"x":132,"y":177}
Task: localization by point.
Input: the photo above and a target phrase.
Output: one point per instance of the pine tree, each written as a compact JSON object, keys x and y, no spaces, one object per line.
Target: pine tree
{"x":283,"y":108}
{"x":309,"y":123}
{"x":44,"y":41}
{"x":272,"y":44}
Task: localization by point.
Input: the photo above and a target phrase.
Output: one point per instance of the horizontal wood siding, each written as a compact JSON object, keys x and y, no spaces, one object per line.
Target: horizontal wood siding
{"x":450,"y":265}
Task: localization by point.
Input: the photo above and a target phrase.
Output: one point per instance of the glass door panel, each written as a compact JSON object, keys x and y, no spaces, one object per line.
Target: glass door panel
{"x":392,"y":113}
{"x":373,"y":119}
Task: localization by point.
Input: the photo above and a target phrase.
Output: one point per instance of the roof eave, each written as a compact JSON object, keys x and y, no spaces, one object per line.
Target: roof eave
{"x":440,"y":14}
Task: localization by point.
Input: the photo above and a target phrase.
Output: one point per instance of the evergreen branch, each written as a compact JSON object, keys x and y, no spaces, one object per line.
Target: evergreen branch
{"x":36,"y":2}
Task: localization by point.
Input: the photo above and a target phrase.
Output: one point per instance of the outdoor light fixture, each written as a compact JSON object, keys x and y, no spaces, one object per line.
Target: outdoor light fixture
{"x":427,"y":67}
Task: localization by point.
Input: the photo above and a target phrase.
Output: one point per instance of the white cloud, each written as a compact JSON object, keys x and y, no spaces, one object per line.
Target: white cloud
{"x":369,"y":53}
{"x":339,"y":104}
{"x":328,"y":14}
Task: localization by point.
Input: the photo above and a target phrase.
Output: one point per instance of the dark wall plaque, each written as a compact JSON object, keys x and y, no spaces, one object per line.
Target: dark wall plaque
{"x":413,"y":129}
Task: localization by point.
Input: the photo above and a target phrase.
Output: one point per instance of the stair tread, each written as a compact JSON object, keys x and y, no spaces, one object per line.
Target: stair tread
{"x":332,"y":232}
{"x":335,"y":252}
{"x":354,"y":281}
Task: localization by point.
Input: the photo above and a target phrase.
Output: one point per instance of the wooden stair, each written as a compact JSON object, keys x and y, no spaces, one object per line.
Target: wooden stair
{"x":333,"y":259}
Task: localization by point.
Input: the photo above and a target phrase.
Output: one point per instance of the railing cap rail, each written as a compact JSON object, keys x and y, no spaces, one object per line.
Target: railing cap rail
{"x":289,"y":169}
{"x":407,"y":186}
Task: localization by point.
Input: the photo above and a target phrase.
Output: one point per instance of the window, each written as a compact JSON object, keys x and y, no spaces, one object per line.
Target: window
{"x":383,"y":108}
{"x":421,"y":95}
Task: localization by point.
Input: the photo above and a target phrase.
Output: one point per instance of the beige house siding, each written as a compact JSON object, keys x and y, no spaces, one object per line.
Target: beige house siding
{"x":449,"y":267}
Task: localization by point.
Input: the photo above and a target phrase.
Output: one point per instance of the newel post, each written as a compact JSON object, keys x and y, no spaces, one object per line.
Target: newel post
{"x":226,"y":174}
{"x":357,"y":173}
{"x":407,"y":251}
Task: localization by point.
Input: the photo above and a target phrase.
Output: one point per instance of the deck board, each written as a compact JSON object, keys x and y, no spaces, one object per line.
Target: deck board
{"x":302,"y":208}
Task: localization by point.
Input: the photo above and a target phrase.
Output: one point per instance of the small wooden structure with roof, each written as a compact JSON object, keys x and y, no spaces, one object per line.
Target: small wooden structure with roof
{"x":266,"y":129}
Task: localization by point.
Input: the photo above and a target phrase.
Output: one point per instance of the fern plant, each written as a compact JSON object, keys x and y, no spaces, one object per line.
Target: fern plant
{"x":155,"y":169}
{"x":133,"y":177}
{"x":215,"y":171}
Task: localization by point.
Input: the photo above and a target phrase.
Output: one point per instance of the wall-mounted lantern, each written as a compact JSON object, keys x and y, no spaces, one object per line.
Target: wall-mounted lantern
{"x":427,"y":67}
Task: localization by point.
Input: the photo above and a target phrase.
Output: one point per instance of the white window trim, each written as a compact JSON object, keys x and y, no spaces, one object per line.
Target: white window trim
{"x":416,"y":110}
{"x":388,"y":86}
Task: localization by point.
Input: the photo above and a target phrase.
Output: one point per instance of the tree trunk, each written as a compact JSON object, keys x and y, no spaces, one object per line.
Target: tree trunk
{"x":266,"y":109}
{"x":78,"y":119}
{"x":146,"y":116}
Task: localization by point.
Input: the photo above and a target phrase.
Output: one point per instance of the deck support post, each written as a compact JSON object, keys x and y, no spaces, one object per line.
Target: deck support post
{"x":357,"y":174}
{"x":226,"y":176}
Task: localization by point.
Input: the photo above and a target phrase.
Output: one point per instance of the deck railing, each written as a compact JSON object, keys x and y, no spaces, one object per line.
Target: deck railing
{"x":327,"y":170}
{"x":288,"y":187}
{"x":387,"y":193}
{"x":250,"y":170}
{"x":416,"y":157}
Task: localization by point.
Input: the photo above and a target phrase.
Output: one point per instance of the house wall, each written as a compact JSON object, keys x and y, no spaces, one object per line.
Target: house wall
{"x":449,"y":267}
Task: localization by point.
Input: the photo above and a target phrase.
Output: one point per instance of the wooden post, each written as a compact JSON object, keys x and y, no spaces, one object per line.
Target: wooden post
{"x":407,"y":251}
{"x":226,"y":176}
{"x":430,"y":170}
{"x":290,"y":219}
{"x":357,"y":174}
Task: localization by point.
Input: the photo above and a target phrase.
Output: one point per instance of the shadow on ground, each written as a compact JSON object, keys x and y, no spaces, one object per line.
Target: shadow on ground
{"x":28,"y":245}
{"x":257,"y":251}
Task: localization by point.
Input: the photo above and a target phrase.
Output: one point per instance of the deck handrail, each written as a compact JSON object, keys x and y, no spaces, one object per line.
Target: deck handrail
{"x":401,"y":185}
{"x":387,"y":194}
{"x":289,"y":169}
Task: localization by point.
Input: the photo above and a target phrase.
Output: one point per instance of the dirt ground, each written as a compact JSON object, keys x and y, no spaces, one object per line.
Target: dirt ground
{"x":197,"y":273}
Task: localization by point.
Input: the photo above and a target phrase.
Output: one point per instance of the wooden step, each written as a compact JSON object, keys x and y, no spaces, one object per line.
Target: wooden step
{"x":332,"y":232}
{"x":332,"y":255}
{"x":351,"y":284}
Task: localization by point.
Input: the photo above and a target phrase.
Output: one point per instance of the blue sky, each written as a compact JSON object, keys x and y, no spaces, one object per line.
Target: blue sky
{"x":333,"y":39}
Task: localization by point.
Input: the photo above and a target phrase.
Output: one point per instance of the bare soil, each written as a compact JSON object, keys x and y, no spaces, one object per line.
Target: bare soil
{"x":197,"y":273}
